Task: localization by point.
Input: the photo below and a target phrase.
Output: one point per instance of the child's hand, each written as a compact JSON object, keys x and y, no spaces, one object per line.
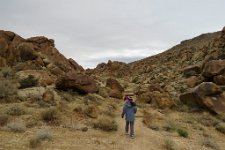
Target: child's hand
{"x":122,"y":116}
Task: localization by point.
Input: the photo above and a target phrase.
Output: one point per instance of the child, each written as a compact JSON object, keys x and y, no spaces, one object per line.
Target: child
{"x":129,"y":109}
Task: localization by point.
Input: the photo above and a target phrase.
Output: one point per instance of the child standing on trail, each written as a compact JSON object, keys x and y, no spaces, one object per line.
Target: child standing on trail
{"x":129,"y":110}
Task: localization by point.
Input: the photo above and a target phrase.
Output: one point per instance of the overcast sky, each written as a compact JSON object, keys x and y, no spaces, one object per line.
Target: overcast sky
{"x":94,"y":31}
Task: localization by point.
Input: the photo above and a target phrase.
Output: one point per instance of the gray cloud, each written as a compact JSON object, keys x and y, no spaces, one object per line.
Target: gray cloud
{"x":91,"y":31}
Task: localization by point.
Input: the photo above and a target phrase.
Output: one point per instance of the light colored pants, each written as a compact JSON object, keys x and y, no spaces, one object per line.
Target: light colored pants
{"x":131,"y":124}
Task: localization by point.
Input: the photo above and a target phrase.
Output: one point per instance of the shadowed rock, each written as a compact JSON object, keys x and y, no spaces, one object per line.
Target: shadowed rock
{"x":77,"y":82}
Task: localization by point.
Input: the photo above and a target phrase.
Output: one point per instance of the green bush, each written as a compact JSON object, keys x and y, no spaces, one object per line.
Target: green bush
{"x":30,"y":81}
{"x":182,"y":133}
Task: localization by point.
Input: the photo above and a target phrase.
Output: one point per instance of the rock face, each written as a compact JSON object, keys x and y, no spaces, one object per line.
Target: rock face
{"x":114,"y":84}
{"x":206,"y":95}
{"x":78,"y":82}
{"x":213,"y":68}
{"x":154,"y":95}
{"x":32,"y":53}
{"x":116,"y":90}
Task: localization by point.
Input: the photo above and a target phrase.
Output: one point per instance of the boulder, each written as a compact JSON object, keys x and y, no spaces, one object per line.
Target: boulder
{"x":194,"y":81}
{"x":213,"y":68}
{"x":220,"y":79}
{"x":75,"y":65}
{"x":115,"y":94}
{"x":191,"y":71}
{"x":3,"y":46}
{"x":114,"y":84}
{"x":206,"y":95}
{"x":78,"y":82}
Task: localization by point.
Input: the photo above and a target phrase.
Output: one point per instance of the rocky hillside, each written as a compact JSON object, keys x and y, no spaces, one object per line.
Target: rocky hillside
{"x":162,"y":78}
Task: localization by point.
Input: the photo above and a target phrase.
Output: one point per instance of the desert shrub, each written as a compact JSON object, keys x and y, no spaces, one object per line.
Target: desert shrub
{"x":208,"y":142}
{"x":154,"y":126}
{"x":220,"y":127}
{"x":105,"y":123}
{"x":50,"y":116}
{"x":208,"y":120}
{"x":169,"y":144}
{"x":7,"y":89}
{"x":40,"y":136}
{"x":16,"y":111}
{"x":182,"y":133}
{"x":17,"y":126}
{"x":30,"y":81}
{"x":87,"y":110}
{"x":147,"y":118}
{"x":91,"y":111}
{"x":3,"y":119}
{"x":103,"y":92}
{"x":169,"y":126}
{"x":6,"y":72}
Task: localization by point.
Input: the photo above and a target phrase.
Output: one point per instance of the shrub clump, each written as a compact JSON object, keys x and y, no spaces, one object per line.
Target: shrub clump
{"x":208,"y":142}
{"x":7,"y":89}
{"x":50,"y":116}
{"x":16,"y":111}
{"x":220,"y":127}
{"x":18,"y":126}
{"x":105,"y":123}
{"x":182,"y":133}
{"x":169,"y":144}
{"x":40,"y":136}
{"x":30,"y":81}
{"x":3,"y":119}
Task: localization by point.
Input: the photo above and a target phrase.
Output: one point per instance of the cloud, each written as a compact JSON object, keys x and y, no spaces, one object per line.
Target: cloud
{"x":91,"y":31}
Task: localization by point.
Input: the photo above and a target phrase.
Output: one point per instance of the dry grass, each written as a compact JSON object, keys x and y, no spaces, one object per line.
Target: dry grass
{"x":16,"y":110}
{"x":90,"y":111}
{"x":17,"y":126}
{"x":105,"y":123}
{"x":207,"y":120}
{"x":7,"y":88}
{"x":208,"y":142}
{"x":41,"y":135}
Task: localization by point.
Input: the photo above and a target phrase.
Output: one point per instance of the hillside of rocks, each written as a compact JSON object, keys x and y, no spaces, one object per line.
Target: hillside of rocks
{"x":160,"y":79}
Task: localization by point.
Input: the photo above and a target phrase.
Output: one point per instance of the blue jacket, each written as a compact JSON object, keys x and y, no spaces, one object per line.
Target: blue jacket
{"x":129,"y":111}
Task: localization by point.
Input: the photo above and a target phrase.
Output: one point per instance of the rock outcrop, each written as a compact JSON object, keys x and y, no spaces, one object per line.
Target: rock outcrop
{"x":78,"y":82}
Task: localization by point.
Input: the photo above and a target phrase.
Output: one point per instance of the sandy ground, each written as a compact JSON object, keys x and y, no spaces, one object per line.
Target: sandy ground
{"x":67,"y":139}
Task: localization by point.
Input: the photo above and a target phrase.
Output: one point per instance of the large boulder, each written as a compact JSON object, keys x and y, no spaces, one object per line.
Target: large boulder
{"x":213,"y":68}
{"x":115,"y":94}
{"x":191,"y":71}
{"x":206,"y":95}
{"x":78,"y":82}
{"x":220,"y":79}
{"x":114,"y":84}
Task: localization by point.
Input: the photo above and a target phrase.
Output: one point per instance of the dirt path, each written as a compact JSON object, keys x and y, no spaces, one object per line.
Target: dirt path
{"x":144,"y":139}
